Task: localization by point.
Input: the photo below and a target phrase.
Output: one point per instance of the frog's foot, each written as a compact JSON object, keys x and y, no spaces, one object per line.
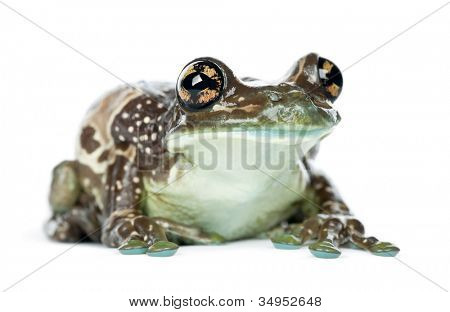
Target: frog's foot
{"x":329,"y":237}
{"x":347,"y":230}
{"x":74,"y":225}
{"x":158,"y":249}
{"x":325,"y":230}
{"x":373,"y":245}
{"x":60,"y":228}
{"x":355,"y":235}
{"x":134,"y":233}
{"x":331,"y":232}
{"x":297,"y":234}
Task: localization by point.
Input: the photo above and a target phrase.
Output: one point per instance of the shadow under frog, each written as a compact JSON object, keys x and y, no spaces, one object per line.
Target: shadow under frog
{"x":159,"y":165}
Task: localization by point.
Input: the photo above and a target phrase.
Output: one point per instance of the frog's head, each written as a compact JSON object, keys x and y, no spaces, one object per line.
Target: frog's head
{"x":296,"y":108}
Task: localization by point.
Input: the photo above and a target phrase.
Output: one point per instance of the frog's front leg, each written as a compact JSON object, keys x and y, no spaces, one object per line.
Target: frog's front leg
{"x":333,"y":227}
{"x":126,"y":227}
{"x":355,"y":234}
{"x":349,"y":229}
{"x":134,"y":233}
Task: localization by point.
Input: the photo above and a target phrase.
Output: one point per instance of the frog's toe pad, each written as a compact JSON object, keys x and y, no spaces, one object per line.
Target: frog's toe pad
{"x":384,"y":249}
{"x":162,"y":249}
{"x":286,"y":241}
{"x":133,"y":247}
{"x":324,"y":249}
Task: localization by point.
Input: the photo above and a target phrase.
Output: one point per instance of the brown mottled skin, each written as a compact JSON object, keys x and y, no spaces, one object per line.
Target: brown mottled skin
{"x":127,"y":186}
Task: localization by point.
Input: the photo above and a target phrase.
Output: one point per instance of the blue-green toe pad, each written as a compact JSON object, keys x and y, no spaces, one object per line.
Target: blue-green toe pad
{"x":162,"y":249}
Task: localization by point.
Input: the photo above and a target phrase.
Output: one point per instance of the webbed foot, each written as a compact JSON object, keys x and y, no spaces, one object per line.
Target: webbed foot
{"x":134,"y":233}
{"x":326,"y":233}
{"x":355,"y":231}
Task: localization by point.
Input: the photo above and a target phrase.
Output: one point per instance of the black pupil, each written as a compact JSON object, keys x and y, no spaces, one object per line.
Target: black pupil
{"x":194,"y":83}
{"x":334,"y":76}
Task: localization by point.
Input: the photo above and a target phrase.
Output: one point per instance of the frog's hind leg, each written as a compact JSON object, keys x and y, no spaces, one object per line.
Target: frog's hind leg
{"x":65,"y":188}
{"x":74,"y":216}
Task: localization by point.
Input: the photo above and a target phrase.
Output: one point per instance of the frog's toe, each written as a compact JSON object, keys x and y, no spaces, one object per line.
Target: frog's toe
{"x":324,"y":249}
{"x":384,"y":249}
{"x":133,"y":247}
{"x":162,"y":249}
{"x":286,"y":241}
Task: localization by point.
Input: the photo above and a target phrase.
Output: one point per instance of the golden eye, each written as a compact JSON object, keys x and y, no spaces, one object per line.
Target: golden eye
{"x":200,"y":84}
{"x":330,"y":77}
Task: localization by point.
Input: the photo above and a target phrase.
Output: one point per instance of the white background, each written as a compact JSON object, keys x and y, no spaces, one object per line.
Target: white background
{"x":389,"y":156}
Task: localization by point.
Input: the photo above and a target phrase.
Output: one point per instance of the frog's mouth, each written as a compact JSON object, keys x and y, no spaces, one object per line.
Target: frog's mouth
{"x":245,"y":144}
{"x":290,"y":135}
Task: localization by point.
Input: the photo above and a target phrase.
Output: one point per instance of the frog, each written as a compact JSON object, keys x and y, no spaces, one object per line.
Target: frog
{"x":210,"y":159}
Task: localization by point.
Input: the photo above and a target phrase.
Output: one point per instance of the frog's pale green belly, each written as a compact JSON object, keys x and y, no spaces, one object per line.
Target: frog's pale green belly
{"x":234,"y":204}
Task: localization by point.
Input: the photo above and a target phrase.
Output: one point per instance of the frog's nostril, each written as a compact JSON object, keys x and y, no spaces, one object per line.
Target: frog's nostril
{"x":274,"y":97}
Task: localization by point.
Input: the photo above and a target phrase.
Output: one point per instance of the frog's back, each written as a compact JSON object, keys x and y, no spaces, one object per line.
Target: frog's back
{"x":102,"y":138}
{"x":116,"y":127}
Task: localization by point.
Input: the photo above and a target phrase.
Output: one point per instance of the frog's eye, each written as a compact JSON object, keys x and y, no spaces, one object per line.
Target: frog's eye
{"x":200,"y":84}
{"x":317,"y":75}
{"x":330,"y":77}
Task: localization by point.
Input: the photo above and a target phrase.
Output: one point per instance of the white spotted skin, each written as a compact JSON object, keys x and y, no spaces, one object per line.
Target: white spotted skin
{"x":100,"y":117}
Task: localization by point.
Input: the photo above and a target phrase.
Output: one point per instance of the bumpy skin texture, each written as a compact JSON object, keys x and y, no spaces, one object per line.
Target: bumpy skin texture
{"x":127,"y":188}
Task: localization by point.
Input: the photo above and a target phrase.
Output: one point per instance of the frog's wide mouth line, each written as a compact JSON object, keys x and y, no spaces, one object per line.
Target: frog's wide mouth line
{"x":271,"y":135}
